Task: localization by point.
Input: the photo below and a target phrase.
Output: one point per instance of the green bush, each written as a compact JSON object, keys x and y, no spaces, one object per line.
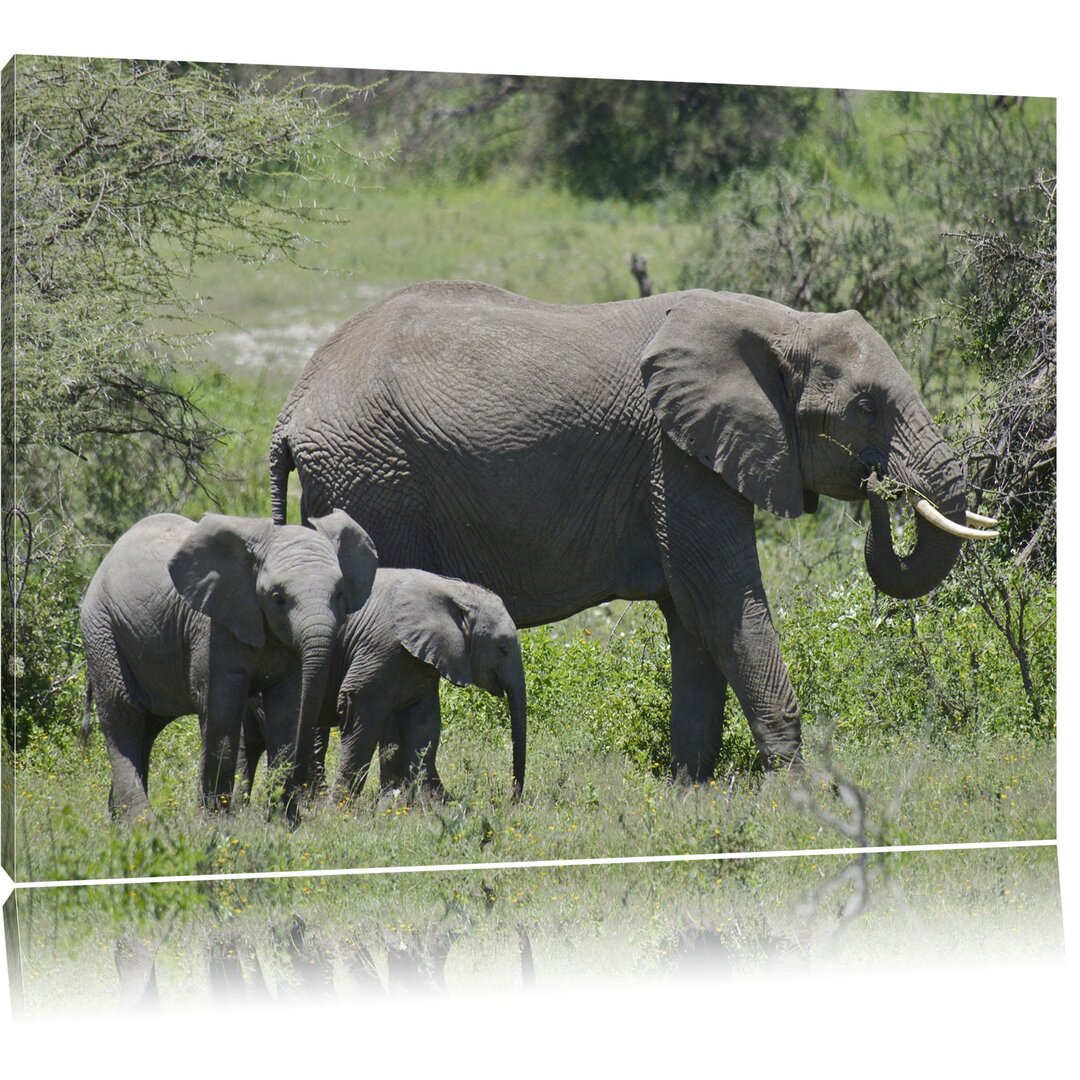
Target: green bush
{"x":868,"y":669}
{"x":640,"y":140}
{"x":42,"y":677}
{"x":601,"y":693}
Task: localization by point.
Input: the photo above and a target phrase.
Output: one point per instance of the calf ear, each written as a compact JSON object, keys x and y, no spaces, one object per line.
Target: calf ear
{"x":214,"y":572}
{"x":717,"y":380}
{"x":356,"y":555}
{"x":433,"y":626}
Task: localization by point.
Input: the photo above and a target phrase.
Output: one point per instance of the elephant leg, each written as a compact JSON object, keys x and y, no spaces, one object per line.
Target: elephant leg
{"x":221,"y":723}
{"x":698,"y":689}
{"x":252,"y":748}
{"x":745,"y":646}
{"x":155,"y":725}
{"x":289,"y":743}
{"x":716,"y":595}
{"x":125,"y":729}
{"x":421,"y":726}
{"x":391,"y":758}
{"x":320,"y":744}
{"x":360,"y":729}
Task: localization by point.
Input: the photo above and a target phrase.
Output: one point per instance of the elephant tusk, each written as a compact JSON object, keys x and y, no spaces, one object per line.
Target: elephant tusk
{"x":978,"y":519}
{"x":937,"y":518}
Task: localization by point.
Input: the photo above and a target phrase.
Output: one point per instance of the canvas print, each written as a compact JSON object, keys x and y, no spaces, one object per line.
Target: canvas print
{"x":432,"y":469}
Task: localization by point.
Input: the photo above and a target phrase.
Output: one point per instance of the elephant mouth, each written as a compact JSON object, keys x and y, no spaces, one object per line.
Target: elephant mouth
{"x":977,"y":526}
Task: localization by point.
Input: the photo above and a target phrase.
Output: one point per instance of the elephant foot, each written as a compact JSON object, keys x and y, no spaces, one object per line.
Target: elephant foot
{"x":134,"y":815}
{"x":292,"y":815}
{"x":432,"y":793}
{"x":790,"y":762}
{"x":684,"y":776}
{"x":220,"y":803}
{"x":317,"y":793}
{"x":422,"y":795}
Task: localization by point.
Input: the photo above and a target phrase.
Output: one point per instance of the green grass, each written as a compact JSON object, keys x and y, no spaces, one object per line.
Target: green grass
{"x":596,"y":786}
{"x":529,"y":239}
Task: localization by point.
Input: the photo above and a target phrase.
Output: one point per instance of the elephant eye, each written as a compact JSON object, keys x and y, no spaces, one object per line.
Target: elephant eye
{"x":865,"y":404}
{"x":503,"y":650}
{"x":278,"y":597}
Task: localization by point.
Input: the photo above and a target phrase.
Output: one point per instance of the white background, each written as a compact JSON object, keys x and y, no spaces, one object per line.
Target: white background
{"x":998,"y":1022}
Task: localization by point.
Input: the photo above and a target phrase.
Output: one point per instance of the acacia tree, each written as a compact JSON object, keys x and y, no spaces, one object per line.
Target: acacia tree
{"x":119,"y":176}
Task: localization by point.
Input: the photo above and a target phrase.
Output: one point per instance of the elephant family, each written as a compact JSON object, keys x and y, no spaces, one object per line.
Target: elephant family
{"x":185,"y":618}
{"x":564,"y":455}
{"x":384,"y":682}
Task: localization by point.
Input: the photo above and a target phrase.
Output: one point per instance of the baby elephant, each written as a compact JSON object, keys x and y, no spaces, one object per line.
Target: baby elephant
{"x":415,"y":628}
{"x":187,"y":618}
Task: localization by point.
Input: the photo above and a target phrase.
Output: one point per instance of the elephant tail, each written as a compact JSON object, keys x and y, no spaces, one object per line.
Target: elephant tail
{"x":281,"y":464}
{"x":87,"y":720}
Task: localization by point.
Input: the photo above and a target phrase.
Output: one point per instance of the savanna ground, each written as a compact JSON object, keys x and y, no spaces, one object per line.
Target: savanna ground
{"x":939,"y":716}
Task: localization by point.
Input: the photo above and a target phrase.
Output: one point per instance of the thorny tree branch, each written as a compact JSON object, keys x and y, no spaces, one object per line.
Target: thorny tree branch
{"x":16,"y":518}
{"x":1010,"y":325}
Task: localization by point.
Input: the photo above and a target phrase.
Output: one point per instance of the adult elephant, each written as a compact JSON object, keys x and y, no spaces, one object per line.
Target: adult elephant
{"x":565,"y":455}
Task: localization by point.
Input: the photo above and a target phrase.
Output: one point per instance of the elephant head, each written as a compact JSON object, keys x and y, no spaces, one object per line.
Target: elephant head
{"x":271,"y":586}
{"x":465,"y":633}
{"x":788,"y":406}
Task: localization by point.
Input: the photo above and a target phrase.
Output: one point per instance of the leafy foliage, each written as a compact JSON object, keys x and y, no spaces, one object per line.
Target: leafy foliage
{"x":600,"y":138}
{"x":124,"y":175}
{"x":608,"y":689}
{"x":974,"y":159}
{"x":870,"y":670}
{"x":640,"y":140}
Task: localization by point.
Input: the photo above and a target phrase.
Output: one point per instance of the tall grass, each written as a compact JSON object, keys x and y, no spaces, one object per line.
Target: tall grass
{"x":597,"y":774}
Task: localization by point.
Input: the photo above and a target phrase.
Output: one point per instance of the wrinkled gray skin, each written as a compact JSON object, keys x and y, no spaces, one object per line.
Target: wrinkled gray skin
{"x":185,"y":618}
{"x":384,"y":683}
{"x":565,"y":455}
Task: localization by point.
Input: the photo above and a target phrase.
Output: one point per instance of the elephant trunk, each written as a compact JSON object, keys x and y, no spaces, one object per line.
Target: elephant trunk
{"x":316,"y":654}
{"x":939,"y":480}
{"x":515,"y":698}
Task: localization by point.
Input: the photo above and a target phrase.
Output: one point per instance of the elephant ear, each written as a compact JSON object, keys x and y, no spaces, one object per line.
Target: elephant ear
{"x":717,"y":381}
{"x":214,"y":571}
{"x":356,"y":555}
{"x":433,"y":625}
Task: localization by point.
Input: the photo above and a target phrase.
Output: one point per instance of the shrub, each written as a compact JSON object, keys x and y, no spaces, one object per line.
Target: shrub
{"x":868,"y":668}
{"x":605,"y":692}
